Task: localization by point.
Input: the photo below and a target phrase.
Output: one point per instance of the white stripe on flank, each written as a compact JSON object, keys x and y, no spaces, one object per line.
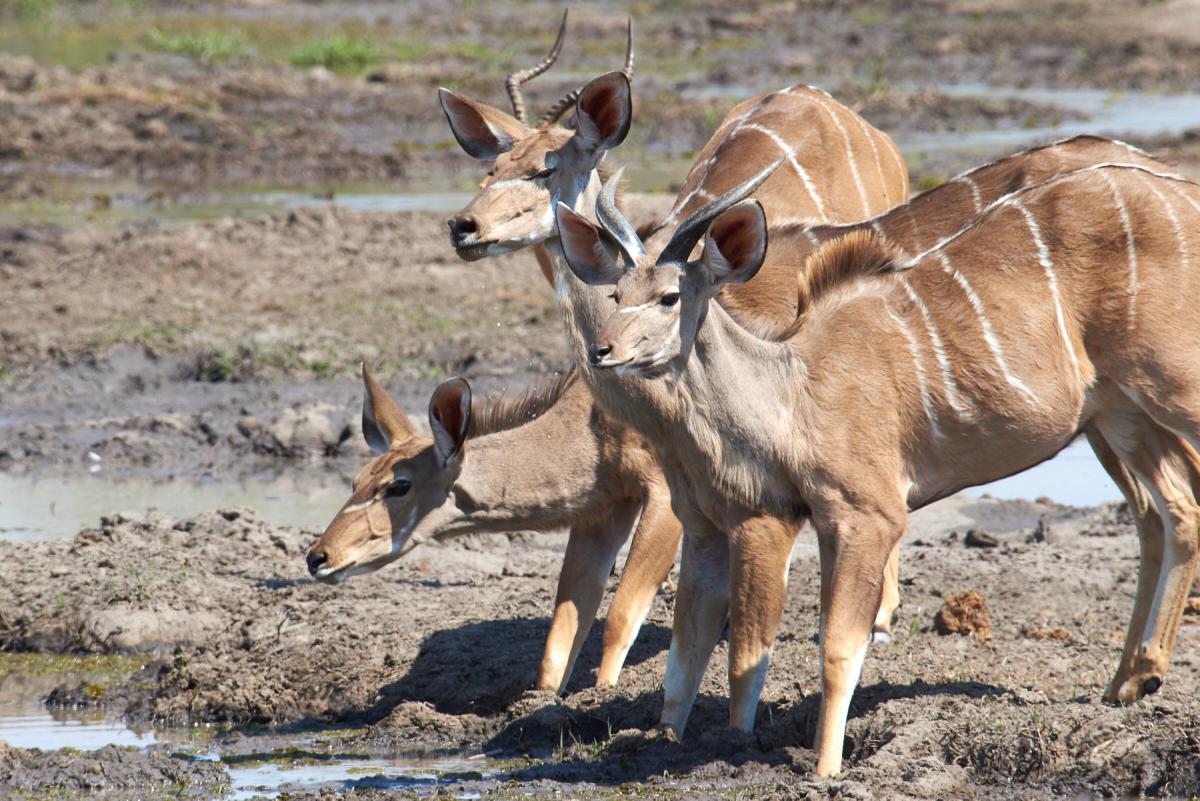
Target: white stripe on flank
{"x":922,"y":379}
{"x":883,"y":182}
{"x":939,"y":352}
{"x":1184,"y":257}
{"x":699,"y":192}
{"x":878,"y":229}
{"x":988,"y":336}
{"x":975,"y":193}
{"x":1011,"y":198}
{"x":862,"y":192}
{"x":1130,"y":248}
{"x":912,"y":224}
{"x":1048,"y":267}
{"x":791,"y":158}
{"x":1184,"y":195}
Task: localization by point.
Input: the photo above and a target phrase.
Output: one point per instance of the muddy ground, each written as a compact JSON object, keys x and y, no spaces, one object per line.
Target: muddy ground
{"x":439,"y":650}
{"x":133,"y":344}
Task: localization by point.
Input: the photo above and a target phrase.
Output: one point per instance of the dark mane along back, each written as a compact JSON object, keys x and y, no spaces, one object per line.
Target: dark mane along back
{"x":838,"y":262}
{"x":503,"y":412}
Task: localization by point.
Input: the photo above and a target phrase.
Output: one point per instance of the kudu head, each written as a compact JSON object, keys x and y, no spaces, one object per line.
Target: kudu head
{"x":409,"y":477}
{"x":534,"y":167}
{"x":661,"y":302}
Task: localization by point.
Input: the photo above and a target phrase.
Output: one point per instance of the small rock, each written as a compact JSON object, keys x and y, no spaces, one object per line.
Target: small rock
{"x":978,"y":538}
{"x":964,"y":613}
{"x":1042,"y":533}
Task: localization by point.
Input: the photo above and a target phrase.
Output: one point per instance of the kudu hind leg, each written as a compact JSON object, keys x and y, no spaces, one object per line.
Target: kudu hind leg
{"x":591,"y":550}
{"x":1150,"y":537}
{"x":701,"y":609}
{"x":760,"y":551}
{"x":1168,"y":468}
{"x":651,"y":556}
{"x":889,"y":600}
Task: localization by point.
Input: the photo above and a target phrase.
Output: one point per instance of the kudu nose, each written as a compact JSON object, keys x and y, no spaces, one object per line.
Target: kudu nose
{"x":596,"y":353}
{"x":315,"y":559}
{"x":461,"y":227}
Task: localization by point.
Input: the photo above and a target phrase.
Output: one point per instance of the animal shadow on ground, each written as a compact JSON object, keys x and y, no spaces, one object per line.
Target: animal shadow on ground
{"x":483,"y":668}
{"x":593,"y":742}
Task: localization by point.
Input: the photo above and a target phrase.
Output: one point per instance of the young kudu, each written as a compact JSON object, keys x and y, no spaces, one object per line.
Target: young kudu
{"x":533,"y":168}
{"x":1063,"y":308}
{"x":544,"y":462}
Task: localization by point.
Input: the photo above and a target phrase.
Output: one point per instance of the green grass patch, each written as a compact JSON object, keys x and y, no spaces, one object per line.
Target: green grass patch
{"x":338,"y":52}
{"x":207,"y":47}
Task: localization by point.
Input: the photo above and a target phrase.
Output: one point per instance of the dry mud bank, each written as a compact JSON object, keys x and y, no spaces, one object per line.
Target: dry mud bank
{"x":439,"y":649}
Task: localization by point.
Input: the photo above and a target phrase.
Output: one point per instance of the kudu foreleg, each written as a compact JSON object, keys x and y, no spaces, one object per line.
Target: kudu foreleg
{"x":760,"y":551}
{"x":591,"y":550}
{"x":860,"y":546}
{"x":701,"y":609}
{"x":651,"y":556}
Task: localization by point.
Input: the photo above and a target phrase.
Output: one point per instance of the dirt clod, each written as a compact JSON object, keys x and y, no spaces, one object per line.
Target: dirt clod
{"x":964,"y":613}
{"x":978,"y":538}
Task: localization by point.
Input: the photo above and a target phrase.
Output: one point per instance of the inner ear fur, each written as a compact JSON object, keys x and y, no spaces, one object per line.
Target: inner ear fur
{"x":735,"y":244}
{"x":450,"y":416}
{"x":483,"y":131}
{"x":604,"y":112}
{"x":584,"y":248}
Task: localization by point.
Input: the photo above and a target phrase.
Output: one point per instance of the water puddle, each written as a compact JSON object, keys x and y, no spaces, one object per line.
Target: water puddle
{"x":260,"y":763}
{"x":1105,"y":113}
{"x":53,"y":508}
{"x":71,"y":200}
{"x":287,"y":763}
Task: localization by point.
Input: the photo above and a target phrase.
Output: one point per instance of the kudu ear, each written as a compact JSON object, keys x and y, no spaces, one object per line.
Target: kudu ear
{"x":483,"y":131}
{"x":603,"y":113}
{"x":450,"y":417}
{"x":586,"y":254}
{"x":384,"y":423}
{"x":736,"y":244}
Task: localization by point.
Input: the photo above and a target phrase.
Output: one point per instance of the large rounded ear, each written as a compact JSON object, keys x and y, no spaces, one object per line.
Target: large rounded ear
{"x":736,"y":243}
{"x":384,"y":423}
{"x":603,"y":113}
{"x":483,"y":131}
{"x":586,"y":254}
{"x":450,"y":417}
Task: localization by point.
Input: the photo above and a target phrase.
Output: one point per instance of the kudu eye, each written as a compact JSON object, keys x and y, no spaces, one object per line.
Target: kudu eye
{"x":398,"y":488}
{"x":669,"y":299}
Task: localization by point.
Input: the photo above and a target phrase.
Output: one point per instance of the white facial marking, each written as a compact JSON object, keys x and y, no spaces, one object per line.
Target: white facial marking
{"x":638,"y":308}
{"x":357,"y":507}
{"x":405,"y":530}
{"x":1052,"y":281}
{"x":962,"y":410}
{"x":988,"y":336}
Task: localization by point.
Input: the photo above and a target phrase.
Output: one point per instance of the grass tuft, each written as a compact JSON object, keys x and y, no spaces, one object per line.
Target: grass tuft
{"x":338,"y":52}
{"x":207,"y":47}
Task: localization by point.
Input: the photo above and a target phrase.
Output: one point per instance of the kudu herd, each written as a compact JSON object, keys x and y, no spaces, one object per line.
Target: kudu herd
{"x":798,"y":341}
